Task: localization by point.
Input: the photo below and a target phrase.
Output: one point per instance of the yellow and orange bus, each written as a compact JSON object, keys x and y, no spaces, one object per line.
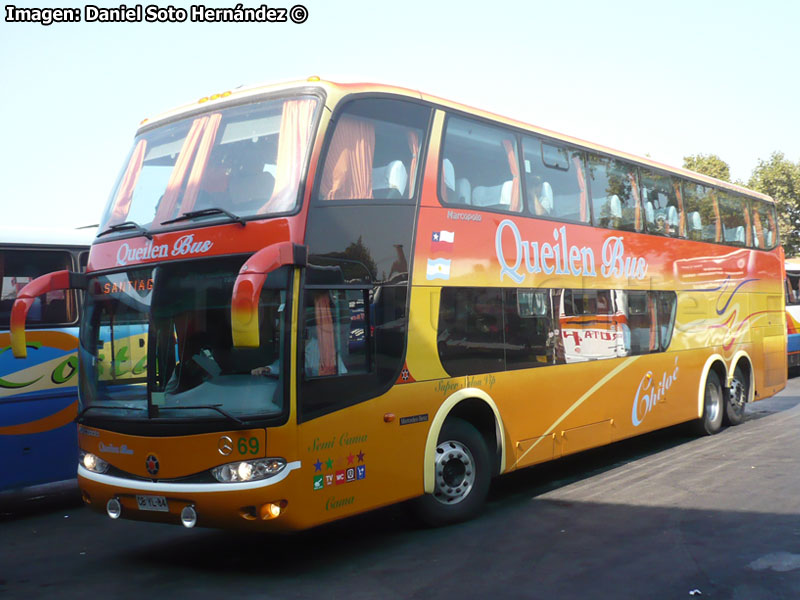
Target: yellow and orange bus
{"x":356,"y":295}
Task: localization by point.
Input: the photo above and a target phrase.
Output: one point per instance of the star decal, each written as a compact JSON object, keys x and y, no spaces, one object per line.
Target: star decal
{"x":317,"y":466}
{"x":350,"y":459}
{"x":329,"y":464}
{"x":360,"y":456}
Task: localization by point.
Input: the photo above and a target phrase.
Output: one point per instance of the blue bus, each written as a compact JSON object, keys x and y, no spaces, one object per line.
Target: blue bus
{"x":39,"y":394}
{"x":792,"y":266}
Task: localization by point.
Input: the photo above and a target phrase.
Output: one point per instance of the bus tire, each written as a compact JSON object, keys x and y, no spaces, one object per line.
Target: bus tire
{"x":713,"y":406}
{"x":737,"y":396}
{"x":462,"y":476}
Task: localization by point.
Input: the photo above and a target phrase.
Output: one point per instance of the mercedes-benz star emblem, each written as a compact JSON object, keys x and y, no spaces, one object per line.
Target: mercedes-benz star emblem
{"x":225,"y":445}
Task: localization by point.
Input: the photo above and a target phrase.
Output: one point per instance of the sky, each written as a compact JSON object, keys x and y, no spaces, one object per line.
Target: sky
{"x":657,"y":79}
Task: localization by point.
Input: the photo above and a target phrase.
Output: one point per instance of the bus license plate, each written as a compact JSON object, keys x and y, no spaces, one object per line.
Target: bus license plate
{"x":157,"y":503}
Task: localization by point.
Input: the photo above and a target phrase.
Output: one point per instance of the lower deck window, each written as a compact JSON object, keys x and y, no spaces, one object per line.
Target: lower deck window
{"x":484,"y":330}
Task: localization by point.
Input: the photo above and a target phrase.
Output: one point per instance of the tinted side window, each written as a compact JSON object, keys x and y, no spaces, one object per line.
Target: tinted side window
{"x":470,"y":336}
{"x":792,"y":288}
{"x":480,"y":166}
{"x":335,"y":340}
{"x":483,"y":330}
{"x":555,"y":181}
{"x":20,"y":267}
{"x":765,"y":226}
{"x":529,"y":326}
{"x":733,"y":218}
{"x":615,"y":194}
{"x":663,"y":206}
{"x":666,"y":306}
{"x":374,"y":151}
{"x":701,"y":214}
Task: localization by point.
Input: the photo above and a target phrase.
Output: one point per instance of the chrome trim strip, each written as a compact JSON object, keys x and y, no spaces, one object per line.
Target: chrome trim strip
{"x":185,"y":488}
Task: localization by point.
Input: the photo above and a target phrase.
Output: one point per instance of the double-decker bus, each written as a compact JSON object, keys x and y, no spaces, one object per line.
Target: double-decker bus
{"x":356,"y":295}
{"x":39,"y":395}
{"x":793,"y":312}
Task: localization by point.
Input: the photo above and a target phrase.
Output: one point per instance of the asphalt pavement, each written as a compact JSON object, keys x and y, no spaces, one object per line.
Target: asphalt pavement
{"x":667,"y":515}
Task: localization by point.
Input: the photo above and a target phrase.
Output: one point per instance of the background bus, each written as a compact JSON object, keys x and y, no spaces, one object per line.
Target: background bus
{"x":39,"y":395}
{"x":356,"y":295}
{"x":793,"y":312}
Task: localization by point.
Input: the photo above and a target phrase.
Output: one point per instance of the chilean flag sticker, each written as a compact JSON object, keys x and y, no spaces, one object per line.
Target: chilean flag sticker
{"x":442,"y":241}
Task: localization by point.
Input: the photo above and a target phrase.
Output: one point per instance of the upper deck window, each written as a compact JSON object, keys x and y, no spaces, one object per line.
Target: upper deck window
{"x":248,"y":160}
{"x":765,"y":225}
{"x":555,"y":181}
{"x":735,"y":219}
{"x":480,"y":167}
{"x":374,"y":151}
{"x":615,"y":194}
{"x":702,"y":213}
{"x":20,"y":267}
{"x":663,"y":204}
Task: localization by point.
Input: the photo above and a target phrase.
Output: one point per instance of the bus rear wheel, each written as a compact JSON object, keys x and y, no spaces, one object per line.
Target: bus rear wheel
{"x":713,"y":406}
{"x":737,"y":397}
{"x":461,"y":471}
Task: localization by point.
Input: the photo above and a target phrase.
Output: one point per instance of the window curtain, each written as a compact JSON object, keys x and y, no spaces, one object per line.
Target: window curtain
{"x":513,"y":165}
{"x":122,"y":203}
{"x":773,"y":227}
{"x":638,"y":201}
{"x":348,"y":167}
{"x":413,"y":145}
{"x":582,"y":183}
{"x":295,"y":132}
{"x":199,"y":166}
{"x":681,"y":211}
{"x":759,"y":230}
{"x":327,"y":340}
{"x":169,"y":202}
{"x":748,"y":226}
{"x":718,"y":225}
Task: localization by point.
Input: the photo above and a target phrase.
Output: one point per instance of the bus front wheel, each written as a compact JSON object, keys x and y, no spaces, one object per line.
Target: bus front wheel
{"x":461,"y":471}
{"x":713,"y":406}
{"x":737,"y":397}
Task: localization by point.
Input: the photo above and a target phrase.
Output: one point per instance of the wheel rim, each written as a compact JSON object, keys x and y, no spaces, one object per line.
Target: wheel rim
{"x":713,"y":402}
{"x":455,"y":472}
{"x":738,"y":391}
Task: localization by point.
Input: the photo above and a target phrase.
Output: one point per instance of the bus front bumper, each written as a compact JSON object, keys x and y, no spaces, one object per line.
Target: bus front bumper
{"x":260,"y":505}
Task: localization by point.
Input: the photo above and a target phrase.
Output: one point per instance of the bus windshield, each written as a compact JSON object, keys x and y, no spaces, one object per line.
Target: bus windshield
{"x":246,"y":161}
{"x":156,"y":343}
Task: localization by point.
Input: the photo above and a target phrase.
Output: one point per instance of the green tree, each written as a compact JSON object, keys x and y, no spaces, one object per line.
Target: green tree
{"x":780,"y":178}
{"x":708,"y":164}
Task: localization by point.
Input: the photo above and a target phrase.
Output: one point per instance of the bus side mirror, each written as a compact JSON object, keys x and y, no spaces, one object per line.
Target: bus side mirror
{"x":57,"y":280}
{"x":247,"y":288}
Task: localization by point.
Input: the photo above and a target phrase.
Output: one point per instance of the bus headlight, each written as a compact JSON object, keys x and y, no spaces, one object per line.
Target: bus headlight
{"x":93,"y":463}
{"x":248,"y":470}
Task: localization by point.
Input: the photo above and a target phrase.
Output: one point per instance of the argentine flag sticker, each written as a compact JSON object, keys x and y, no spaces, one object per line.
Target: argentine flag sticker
{"x":438,"y":268}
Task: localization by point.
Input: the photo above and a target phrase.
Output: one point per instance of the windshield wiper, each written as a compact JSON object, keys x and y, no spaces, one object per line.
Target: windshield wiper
{"x":206,"y":212}
{"x":127,"y":225}
{"x":215,"y":407}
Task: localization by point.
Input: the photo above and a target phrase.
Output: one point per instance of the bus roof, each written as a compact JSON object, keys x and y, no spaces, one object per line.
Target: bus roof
{"x":336,"y":91}
{"x":45,"y":236}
